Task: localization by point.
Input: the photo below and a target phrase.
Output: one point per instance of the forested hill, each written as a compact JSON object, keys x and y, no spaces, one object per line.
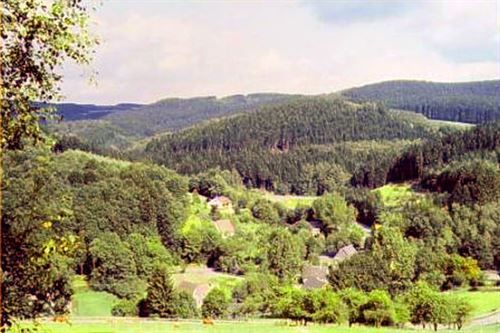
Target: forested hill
{"x":305,"y":121}
{"x":73,"y":111}
{"x":176,"y":113}
{"x":277,"y":146}
{"x":470,"y":102}
{"x":117,"y":130}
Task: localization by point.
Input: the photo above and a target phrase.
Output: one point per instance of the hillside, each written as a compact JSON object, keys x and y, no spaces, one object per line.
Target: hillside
{"x":276,"y":147}
{"x":117,"y":130}
{"x":468,"y":102}
{"x":74,"y":111}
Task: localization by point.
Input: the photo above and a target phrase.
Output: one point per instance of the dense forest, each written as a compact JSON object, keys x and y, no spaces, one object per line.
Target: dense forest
{"x":120,"y":129}
{"x":287,"y":148}
{"x":469,"y":102}
{"x":110,"y":129}
{"x":73,"y":111}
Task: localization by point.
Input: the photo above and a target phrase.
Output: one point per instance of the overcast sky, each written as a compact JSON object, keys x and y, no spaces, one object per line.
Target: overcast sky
{"x":155,"y":49}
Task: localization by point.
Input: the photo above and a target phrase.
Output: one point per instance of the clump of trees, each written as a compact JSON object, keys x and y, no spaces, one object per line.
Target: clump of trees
{"x":215,"y":304}
{"x":421,"y":305}
{"x":112,"y":221}
{"x":162,"y":300}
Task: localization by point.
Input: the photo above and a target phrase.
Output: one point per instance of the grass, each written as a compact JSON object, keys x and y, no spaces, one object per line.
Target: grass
{"x":131,"y":326}
{"x":87,"y":303}
{"x":200,"y":274}
{"x":198,"y":215}
{"x":394,"y":194}
{"x":484,"y":301}
{"x":291,"y":201}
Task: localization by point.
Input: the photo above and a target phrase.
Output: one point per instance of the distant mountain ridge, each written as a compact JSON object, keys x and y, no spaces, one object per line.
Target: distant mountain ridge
{"x":172,"y":114}
{"x":75,"y":111}
{"x":122,"y":125}
{"x":469,"y":102}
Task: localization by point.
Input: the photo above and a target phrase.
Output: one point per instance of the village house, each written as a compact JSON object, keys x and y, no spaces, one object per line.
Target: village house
{"x":314,"y":276}
{"x":345,"y":253}
{"x":220,"y":202}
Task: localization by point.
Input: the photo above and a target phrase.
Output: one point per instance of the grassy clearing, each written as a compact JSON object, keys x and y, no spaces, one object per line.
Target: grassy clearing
{"x":198,"y":215}
{"x":87,"y":303}
{"x":291,"y":201}
{"x":394,"y":194}
{"x":131,"y":326}
{"x":484,"y":301}
{"x":201,"y":274}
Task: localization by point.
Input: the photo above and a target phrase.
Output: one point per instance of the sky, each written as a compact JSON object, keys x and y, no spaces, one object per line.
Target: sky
{"x":151,"y":50}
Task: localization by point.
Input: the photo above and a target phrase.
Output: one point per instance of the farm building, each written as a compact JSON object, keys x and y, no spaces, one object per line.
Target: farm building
{"x":345,"y":253}
{"x":314,"y":276}
{"x":220,"y":202}
{"x":315,"y":226}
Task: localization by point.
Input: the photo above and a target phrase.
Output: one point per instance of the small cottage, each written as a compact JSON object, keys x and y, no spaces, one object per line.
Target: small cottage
{"x":314,"y":276}
{"x":220,"y":202}
{"x":345,"y":253}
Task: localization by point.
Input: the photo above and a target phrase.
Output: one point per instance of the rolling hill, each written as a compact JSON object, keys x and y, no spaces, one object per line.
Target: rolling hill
{"x":277,"y":147}
{"x":74,"y":111}
{"x":118,"y":127}
{"x":113,"y":128}
{"x":468,"y":102}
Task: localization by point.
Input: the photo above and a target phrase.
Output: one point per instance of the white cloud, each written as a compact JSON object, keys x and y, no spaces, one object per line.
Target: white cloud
{"x":152,"y":50}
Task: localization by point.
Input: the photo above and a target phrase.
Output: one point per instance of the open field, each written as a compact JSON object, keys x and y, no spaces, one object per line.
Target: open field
{"x":484,"y":301}
{"x":131,"y":326}
{"x":291,"y":201}
{"x":202,"y":274}
{"x":394,"y":194}
{"x":89,"y":303}
{"x":450,"y":123}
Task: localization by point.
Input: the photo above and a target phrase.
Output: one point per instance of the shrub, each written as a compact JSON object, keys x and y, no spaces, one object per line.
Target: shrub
{"x":125,"y":308}
{"x":215,"y":304}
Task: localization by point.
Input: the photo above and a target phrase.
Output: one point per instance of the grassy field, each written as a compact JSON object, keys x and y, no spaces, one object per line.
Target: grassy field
{"x":394,"y":194}
{"x":484,"y":301}
{"x":290,"y":201}
{"x":129,"y":326}
{"x":89,"y":303}
{"x":201,"y":274}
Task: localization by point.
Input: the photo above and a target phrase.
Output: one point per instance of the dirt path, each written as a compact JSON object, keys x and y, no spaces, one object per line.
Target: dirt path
{"x":488,"y":319}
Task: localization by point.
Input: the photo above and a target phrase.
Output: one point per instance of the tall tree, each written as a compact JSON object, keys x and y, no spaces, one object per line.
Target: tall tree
{"x":161,"y":296}
{"x":285,"y":254}
{"x":38,"y":37}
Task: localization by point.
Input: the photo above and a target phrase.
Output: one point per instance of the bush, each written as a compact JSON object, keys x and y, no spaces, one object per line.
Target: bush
{"x":185,"y":305}
{"x":215,"y":304}
{"x":125,"y":308}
